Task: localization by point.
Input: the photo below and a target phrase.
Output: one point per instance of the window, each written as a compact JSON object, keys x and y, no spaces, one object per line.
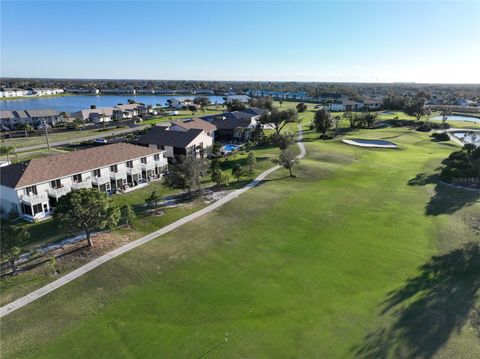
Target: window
{"x":114,"y":168}
{"x":77,"y":178}
{"x":55,"y":183}
{"x":143,"y":159}
{"x":156,"y":157}
{"x":130,"y":164}
{"x":31,"y":190}
{"x":37,"y":208}
{"x":96,"y":173}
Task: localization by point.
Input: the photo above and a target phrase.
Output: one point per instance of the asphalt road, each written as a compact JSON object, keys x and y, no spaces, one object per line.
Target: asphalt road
{"x":104,"y":134}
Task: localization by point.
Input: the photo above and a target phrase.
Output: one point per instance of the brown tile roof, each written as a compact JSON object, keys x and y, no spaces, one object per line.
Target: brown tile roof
{"x":45,"y":169}
{"x":195,"y":123}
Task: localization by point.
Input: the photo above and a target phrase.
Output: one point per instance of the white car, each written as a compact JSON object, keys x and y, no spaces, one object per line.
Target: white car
{"x":100,"y":141}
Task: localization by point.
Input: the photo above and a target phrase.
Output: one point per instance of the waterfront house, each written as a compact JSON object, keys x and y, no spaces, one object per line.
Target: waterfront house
{"x":13,"y":92}
{"x":99,"y":115}
{"x":241,"y":98}
{"x":132,"y":109}
{"x":35,"y":118}
{"x":32,"y":188}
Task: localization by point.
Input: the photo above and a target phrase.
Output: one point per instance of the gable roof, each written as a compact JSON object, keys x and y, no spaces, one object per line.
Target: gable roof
{"x":45,"y":169}
{"x":130,"y":107}
{"x":256,"y":111}
{"x":29,"y":114}
{"x":87,"y":113}
{"x":42,"y":113}
{"x":162,"y":136}
{"x":196,"y":123}
{"x":230,"y":120}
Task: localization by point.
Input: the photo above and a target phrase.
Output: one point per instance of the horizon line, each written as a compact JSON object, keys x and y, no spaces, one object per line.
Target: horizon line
{"x":257,"y":81}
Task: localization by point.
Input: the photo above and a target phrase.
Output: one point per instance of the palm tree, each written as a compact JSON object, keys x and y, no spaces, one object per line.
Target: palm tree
{"x":27,"y":128}
{"x":445,"y":113}
{"x":64,"y":115}
{"x":7,"y":150}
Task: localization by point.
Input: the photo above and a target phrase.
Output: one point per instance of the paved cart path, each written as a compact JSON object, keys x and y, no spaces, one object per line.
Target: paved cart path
{"x":21,"y":302}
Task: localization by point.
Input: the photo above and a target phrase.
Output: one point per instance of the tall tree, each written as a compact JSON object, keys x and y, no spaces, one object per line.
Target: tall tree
{"x":235,"y":105}
{"x":12,"y":237}
{"x":127,"y":215}
{"x":187,"y":173}
{"x":445,"y":113}
{"x":7,"y":150}
{"x":301,"y":107}
{"x":283,"y":140}
{"x":153,"y":200}
{"x":26,"y":127}
{"x":251,"y":162}
{"x":202,"y":101}
{"x":265,"y":102}
{"x":416,"y":108}
{"x":87,"y":209}
{"x":192,"y":109}
{"x":238,"y":171}
{"x":279,"y":118}
{"x":288,"y":160}
{"x":323,"y":121}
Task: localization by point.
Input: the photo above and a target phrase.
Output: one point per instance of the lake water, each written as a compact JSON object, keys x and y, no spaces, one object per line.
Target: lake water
{"x":81,"y":102}
{"x":457,"y":118}
{"x":470,"y":138}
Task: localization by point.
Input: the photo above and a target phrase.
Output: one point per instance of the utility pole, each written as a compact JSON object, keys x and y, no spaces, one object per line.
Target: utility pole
{"x":46,"y":133}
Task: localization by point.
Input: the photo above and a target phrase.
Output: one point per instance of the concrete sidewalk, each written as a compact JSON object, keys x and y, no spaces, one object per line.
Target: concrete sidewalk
{"x":21,"y":302}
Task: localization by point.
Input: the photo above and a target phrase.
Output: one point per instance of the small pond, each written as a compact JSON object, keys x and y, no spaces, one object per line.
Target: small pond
{"x":457,"y":118}
{"x":470,"y":137}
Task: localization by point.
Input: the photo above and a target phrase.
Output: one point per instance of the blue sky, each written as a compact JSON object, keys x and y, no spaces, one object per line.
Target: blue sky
{"x":228,"y":40}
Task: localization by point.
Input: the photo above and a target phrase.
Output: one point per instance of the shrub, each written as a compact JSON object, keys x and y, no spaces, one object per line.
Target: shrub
{"x":441,"y":136}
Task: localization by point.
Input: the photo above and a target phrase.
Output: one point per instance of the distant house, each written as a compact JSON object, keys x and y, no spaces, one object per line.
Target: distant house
{"x":13,"y":92}
{"x":132,"y":110}
{"x":345,"y":105}
{"x":32,"y":188}
{"x":45,"y":91}
{"x":241,"y":98}
{"x":177,"y":143}
{"x":465,"y":103}
{"x":372,"y":104}
{"x":193,"y":123}
{"x":36,"y":118}
{"x":99,"y":115}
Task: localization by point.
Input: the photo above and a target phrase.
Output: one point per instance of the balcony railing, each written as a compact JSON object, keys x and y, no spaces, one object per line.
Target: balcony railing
{"x":59,"y":192}
{"x":118,"y":175}
{"x":34,"y":198}
{"x":83,"y":184}
{"x":100,"y":180}
{"x":148,"y":166}
{"x":134,"y":170}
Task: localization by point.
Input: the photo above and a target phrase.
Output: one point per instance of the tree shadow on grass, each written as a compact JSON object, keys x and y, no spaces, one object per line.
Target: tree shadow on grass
{"x":446,"y":199}
{"x":439,"y":301}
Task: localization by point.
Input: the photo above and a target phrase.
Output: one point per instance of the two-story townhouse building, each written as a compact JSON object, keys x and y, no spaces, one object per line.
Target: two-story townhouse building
{"x":32,"y":188}
{"x":36,"y":118}
{"x":176,"y":144}
{"x":196,"y":123}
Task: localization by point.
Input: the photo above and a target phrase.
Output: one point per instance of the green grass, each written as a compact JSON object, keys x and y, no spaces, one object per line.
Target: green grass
{"x":72,"y":136}
{"x":293,"y":268}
